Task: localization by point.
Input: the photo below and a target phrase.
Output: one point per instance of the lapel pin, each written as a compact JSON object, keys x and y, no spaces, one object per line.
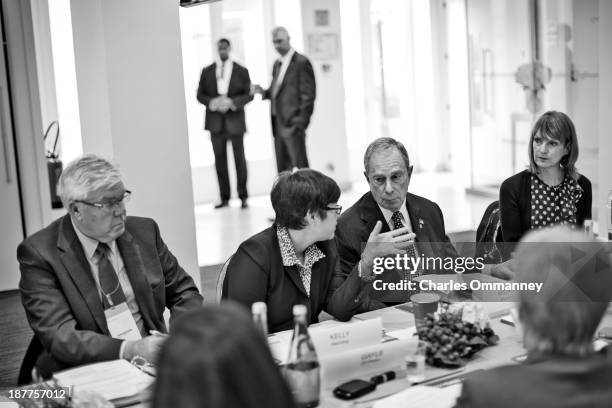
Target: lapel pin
{"x":421,"y":223}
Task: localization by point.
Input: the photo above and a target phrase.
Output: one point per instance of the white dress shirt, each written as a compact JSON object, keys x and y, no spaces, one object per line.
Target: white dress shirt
{"x":224,"y":74}
{"x":89,"y":247}
{"x":405,"y":218}
{"x":284,"y":60}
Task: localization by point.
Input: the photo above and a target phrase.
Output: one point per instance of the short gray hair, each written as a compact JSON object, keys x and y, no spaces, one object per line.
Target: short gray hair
{"x":563,"y":316}
{"x":85,"y":174}
{"x":383,"y":143}
{"x":280,"y":29}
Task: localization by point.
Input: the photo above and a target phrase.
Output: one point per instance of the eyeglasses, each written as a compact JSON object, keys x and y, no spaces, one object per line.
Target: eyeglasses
{"x":337,"y":209}
{"x":110,"y":204}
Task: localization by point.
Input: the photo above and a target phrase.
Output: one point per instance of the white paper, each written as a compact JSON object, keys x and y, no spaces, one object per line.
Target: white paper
{"x":408,"y":333}
{"x":111,"y":379}
{"x":279,"y":345}
{"x":279,"y":342}
{"x":422,"y":396}
{"x":363,"y":362}
{"x":347,"y":336}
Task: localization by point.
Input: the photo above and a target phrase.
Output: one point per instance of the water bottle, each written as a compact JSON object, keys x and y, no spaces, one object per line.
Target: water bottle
{"x":260,"y":317}
{"x":588,"y":229}
{"x":302,"y":372}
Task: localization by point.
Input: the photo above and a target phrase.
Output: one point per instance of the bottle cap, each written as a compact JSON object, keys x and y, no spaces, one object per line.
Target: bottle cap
{"x":259,"y":308}
{"x":299,"y":310}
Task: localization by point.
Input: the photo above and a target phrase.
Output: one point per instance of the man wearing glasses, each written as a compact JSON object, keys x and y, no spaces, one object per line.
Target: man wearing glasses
{"x":95,"y":283}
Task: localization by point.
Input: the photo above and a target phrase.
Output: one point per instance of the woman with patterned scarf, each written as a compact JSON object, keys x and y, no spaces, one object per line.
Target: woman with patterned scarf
{"x":295,"y":261}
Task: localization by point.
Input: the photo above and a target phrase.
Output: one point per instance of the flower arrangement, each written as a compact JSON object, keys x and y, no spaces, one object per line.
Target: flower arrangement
{"x":452,"y":339}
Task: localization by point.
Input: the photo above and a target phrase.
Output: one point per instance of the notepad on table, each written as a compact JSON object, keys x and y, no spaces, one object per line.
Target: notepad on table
{"x":422,"y":396}
{"x":118,"y":381}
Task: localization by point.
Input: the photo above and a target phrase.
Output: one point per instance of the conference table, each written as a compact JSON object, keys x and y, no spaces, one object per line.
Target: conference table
{"x":397,"y":318}
{"x":508,"y":350}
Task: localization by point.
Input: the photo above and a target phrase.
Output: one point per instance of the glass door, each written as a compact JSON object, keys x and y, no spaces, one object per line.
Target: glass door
{"x":527,"y":57}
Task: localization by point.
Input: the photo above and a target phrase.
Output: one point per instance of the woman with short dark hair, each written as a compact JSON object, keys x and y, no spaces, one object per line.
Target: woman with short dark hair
{"x":216,"y":358}
{"x":295,"y":260}
{"x":551,"y":191}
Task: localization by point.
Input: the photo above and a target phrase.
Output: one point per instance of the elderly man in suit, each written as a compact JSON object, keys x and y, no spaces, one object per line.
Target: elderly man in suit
{"x":224,"y":89}
{"x":95,"y":283}
{"x":562,"y":368}
{"x":292,"y":94}
{"x":388,"y":221}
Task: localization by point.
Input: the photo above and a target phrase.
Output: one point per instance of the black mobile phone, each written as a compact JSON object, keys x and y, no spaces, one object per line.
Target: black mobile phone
{"x":354,"y":389}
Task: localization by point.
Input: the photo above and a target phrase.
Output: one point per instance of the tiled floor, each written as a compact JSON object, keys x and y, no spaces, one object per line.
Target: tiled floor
{"x":219,"y":232}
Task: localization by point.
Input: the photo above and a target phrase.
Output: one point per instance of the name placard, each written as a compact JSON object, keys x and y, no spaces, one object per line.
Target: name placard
{"x":365,"y":361}
{"x":343,"y":337}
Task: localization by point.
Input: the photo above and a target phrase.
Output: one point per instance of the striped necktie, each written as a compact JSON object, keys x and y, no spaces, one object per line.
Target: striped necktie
{"x":396,"y":220}
{"x":109,"y":281}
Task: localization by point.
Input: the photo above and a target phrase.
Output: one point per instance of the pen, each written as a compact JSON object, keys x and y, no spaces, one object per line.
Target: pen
{"x":507,"y":320}
{"x":157,"y":333}
{"x":442,"y":378}
{"x":381,"y":378}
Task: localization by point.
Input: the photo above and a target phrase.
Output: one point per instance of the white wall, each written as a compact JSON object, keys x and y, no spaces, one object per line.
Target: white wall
{"x":605,"y":107}
{"x":326,"y":135}
{"x":132,"y":108}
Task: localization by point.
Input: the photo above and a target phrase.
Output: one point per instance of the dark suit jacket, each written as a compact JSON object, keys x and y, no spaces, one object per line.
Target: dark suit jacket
{"x":295,"y":98}
{"x":515,"y":207}
{"x":556,"y":382}
{"x":231,"y":121}
{"x":356,"y":224}
{"x":63,"y":305}
{"x":256,"y":274}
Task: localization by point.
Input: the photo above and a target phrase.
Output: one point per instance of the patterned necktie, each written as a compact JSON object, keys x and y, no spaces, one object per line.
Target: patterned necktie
{"x":109,"y":281}
{"x":396,"y":219}
{"x":275,"y":80}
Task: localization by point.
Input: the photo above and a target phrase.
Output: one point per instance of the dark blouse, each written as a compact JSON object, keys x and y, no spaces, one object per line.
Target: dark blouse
{"x":515,"y":202}
{"x":553,"y":205}
{"x":256,"y":273}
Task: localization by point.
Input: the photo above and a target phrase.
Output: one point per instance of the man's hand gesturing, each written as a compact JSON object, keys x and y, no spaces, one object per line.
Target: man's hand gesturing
{"x":385,"y":244}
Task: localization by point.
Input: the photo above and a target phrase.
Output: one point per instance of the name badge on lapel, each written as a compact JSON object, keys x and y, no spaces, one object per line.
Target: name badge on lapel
{"x":121,"y":323}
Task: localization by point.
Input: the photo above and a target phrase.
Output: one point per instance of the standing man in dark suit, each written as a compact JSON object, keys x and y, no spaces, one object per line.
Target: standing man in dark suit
{"x":95,"y":283}
{"x":292,"y":94}
{"x":224,"y":89}
{"x":388,"y":221}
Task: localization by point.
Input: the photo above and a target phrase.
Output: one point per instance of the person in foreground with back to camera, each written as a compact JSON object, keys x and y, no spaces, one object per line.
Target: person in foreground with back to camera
{"x":389,"y":221}
{"x":94,"y":272}
{"x":295,"y":261}
{"x":216,"y":358}
{"x":562,"y":368}
{"x":550,"y":192}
